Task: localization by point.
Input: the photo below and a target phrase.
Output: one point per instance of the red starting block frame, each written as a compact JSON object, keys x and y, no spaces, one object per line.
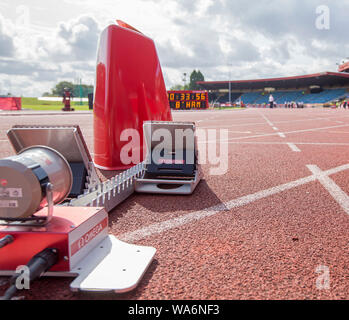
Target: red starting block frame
{"x":100,"y":262}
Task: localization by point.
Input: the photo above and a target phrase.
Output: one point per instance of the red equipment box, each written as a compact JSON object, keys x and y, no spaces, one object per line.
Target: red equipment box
{"x":74,"y":231}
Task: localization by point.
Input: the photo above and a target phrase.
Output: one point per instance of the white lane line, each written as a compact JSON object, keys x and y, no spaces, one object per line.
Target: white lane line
{"x":293,"y":147}
{"x":43,"y":115}
{"x":266,"y":119}
{"x":303,"y":143}
{"x":282,"y":135}
{"x":338,"y":132}
{"x":304,"y":130}
{"x":259,"y":123}
{"x":334,"y":190}
{"x":160,"y":227}
{"x":232,"y":125}
{"x":283,"y":121}
{"x":239,"y":131}
{"x":273,"y":134}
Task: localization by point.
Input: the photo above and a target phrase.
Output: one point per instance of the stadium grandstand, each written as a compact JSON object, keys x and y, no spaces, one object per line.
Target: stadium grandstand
{"x":319,"y":89}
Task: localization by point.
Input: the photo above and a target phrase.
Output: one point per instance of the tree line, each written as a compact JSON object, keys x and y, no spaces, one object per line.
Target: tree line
{"x":76,"y":89}
{"x":195,"y":76}
{"x":83,"y":90}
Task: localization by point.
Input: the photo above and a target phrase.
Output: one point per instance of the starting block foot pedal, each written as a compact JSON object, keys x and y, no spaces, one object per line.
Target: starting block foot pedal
{"x":171,"y":166}
{"x":112,"y":266}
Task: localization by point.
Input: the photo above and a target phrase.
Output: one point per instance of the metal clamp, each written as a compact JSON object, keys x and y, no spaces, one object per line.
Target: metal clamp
{"x":33,"y":221}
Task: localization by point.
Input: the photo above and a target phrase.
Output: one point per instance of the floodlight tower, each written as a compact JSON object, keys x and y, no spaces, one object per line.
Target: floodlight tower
{"x":229,"y":66}
{"x":184,"y":79}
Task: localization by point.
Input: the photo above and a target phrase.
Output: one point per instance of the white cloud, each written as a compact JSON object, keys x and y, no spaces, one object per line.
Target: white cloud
{"x":7,"y":48}
{"x":80,"y":36}
{"x":44,"y":42}
{"x":43,"y":58}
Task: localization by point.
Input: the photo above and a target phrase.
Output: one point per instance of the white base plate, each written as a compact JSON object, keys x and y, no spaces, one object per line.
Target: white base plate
{"x":112,"y":266}
{"x":144,"y":185}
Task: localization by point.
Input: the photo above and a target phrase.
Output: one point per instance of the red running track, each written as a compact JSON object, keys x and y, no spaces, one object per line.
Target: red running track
{"x":271,"y":227}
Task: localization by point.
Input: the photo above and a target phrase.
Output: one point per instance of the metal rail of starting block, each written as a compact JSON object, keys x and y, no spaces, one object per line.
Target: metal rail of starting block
{"x":110,"y":193}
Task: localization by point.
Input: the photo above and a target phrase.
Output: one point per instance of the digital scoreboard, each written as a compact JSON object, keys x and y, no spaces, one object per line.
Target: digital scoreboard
{"x":188,"y":99}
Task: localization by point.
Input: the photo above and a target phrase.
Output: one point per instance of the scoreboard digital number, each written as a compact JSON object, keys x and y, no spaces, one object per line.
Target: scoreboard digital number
{"x":188,"y":99}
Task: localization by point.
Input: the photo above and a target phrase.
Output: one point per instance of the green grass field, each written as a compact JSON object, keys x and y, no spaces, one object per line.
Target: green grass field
{"x":35,"y":104}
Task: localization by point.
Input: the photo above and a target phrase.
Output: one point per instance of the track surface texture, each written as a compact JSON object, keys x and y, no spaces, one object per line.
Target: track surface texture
{"x":274,"y":226}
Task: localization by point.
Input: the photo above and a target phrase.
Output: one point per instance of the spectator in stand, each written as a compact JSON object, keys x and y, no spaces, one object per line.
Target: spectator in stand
{"x":271,"y":101}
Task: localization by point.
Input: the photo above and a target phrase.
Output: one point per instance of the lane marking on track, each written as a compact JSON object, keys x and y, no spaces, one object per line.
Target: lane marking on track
{"x":266,"y":119}
{"x":281,"y":135}
{"x":160,"y":227}
{"x":276,"y":133}
{"x":229,"y":126}
{"x":260,"y":123}
{"x":334,"y":190}
{"x":276,"y":129}
{"x":338,"y":132}
{"x":281,"y":121}
{"x":45,"y":115}
{"x":239,"y":131}
{"x":304,"y":143}
{"x":293,"y":147}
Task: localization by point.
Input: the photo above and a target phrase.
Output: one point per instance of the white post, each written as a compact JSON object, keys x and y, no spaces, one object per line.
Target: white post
{"x":229,"y":65}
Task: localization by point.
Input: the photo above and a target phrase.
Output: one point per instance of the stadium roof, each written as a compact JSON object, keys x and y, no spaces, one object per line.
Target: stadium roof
{"x":334,"y":79}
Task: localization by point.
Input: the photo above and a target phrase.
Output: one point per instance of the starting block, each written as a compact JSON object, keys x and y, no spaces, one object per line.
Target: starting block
{"x":171,"y":165}
{"x":73,"y":228}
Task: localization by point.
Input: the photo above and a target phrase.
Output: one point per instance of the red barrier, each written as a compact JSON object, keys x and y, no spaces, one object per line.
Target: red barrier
{"x":10,"y":103}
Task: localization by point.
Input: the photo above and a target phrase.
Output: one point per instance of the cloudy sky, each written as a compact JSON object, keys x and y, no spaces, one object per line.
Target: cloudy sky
{"x":46,"y":41}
